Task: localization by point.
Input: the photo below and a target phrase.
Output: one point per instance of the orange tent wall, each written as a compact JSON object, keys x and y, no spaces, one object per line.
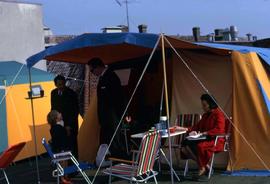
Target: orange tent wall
{"x":19,"y":118}
{"x":250,"y":113}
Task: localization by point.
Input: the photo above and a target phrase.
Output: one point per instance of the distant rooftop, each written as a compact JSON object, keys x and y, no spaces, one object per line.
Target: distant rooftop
{"x":20,"y":2}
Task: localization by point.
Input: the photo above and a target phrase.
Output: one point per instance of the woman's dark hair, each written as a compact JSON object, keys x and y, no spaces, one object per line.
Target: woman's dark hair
{"x":52,"y":116}
{"x":210,"y":100}
{"x":59,"y":78}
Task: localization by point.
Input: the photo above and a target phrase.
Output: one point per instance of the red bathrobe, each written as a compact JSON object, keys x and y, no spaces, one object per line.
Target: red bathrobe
{"x":213,"y":123}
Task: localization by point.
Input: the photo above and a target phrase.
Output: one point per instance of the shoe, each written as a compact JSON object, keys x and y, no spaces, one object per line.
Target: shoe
{"x":65,"y":181}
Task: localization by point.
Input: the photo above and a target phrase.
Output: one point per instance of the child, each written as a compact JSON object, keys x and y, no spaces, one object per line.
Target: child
{"x":59,"y":138}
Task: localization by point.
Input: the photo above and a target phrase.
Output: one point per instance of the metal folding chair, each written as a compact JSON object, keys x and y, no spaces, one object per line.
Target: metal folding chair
{"x":140,"y":169}
{"x":65,"y":156}
{"x":184,"y":120}
{"x":226,"y":148}
{"x":8,"y":156}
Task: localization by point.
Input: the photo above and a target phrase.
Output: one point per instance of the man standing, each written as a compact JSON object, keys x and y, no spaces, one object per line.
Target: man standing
{"x":111,"y":104}
{"x":65,"y":101}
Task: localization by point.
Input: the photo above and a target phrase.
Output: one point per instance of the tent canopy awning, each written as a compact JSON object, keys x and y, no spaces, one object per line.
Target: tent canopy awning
{"x":110,"y":47}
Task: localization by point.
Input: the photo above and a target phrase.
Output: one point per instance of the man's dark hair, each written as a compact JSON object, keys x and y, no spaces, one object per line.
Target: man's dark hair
{"x":59,"y":78}
{"x":210,"y":100}
{"x":96,"y":62}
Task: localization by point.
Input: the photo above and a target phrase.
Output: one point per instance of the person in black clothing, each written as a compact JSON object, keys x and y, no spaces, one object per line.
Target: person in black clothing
{"x":65,"y":101}
{"x":111,"y":104}
{"x":58,"y":138}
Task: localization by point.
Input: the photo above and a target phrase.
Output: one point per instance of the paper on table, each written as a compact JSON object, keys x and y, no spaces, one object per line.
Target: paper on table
{"x":196,"y":137}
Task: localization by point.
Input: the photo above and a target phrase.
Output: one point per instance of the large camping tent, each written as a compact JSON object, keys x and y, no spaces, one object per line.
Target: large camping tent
{"x":16,"y":118}
{"x":239,"y":81}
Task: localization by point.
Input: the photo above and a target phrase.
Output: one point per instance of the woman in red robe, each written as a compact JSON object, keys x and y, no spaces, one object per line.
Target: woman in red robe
{"x":211,"y":124}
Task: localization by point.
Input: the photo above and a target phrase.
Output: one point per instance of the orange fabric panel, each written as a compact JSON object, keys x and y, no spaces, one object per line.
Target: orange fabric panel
{"x":214,"y":71}
{"x":181,"y":44}
{"x":109,"y":54}
{"x":250,"y":114}
{"x":19,"y":118}
{"x":88,"y":138}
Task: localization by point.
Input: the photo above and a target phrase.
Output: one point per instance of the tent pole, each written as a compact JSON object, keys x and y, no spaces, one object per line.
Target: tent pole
{"x":34,"y":125}
{"x":167,"y":104}
{"x":161,"y":100}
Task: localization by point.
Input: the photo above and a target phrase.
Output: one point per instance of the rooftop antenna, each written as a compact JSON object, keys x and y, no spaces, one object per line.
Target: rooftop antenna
{"x":127,"y":12}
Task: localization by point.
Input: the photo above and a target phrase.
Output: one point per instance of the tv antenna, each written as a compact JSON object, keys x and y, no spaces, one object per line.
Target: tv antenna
{"x":126,"y":2}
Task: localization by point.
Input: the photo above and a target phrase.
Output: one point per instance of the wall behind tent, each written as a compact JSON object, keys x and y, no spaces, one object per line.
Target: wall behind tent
{"x":21,"y":31}
{"x":214,"y":71}
{"x":19,"y":117}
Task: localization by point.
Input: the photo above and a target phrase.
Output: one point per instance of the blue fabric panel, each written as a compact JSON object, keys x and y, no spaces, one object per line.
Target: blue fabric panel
{"x":3,"y":123}
{"x":83,"y":166}
{"x":264,"y":53}
{"x":265,"y":97}
{"x":263,"y":173}
{"x":9,"y":69}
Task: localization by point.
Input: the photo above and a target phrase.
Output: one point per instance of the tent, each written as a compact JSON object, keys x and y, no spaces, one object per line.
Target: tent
{"x":16,"y":118}
{"x":238,"y":77}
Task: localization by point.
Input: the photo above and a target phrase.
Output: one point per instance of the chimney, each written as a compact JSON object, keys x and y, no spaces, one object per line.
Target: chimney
{"x":196,"y":33}
{"x":219,"y":34}
{"x":234,"y":33}
{"x":211,"y":37}
{"x":254,"y":38}
{"x":142,"y":28}
{"x":249,"y":36}
{"x":227,"y":35}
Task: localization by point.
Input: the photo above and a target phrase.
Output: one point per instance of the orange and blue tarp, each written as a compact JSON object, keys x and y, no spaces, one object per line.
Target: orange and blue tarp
{"x":246,"y":66}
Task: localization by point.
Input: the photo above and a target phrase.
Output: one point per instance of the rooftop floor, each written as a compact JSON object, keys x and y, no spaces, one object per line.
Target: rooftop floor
{"x":25,"y":173}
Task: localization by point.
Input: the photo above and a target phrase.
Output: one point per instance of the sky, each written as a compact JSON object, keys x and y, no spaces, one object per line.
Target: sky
{"x":167,"y":16}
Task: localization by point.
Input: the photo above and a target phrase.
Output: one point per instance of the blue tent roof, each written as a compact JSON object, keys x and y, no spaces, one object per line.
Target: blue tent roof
{"x":143,"y":40}
{"x":9,"y":69}
{"x":264,"y":53}
{"x":96,"y":40}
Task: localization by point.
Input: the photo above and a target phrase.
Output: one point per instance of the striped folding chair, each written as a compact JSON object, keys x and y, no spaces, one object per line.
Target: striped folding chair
{"x":8,"y":156}
{"x":140,"y":169}
{"x":184,"y":120}
{"x":63,"y":156}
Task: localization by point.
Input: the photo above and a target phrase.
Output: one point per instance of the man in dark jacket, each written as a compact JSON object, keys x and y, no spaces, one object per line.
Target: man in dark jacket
{"x":111,"y":104}
{"x":65,"y":101}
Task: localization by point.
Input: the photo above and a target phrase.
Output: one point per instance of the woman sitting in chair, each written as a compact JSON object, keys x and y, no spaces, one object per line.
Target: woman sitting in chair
{"x":211,"y":124}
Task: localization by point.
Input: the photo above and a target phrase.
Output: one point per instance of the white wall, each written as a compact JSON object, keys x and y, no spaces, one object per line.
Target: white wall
{"x":21,"y":31}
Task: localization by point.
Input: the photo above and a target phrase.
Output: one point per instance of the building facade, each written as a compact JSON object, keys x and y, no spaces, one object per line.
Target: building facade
{"x":21,"y":31}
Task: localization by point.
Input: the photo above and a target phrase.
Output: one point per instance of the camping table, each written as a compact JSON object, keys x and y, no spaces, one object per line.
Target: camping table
{"x":164,"y":136}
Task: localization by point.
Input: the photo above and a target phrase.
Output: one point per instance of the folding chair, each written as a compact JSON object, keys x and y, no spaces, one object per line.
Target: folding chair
{"x":8,"y":157}
{"x":226,"y":148}
{"x":140,"y":169}
{"x":64,"y":156}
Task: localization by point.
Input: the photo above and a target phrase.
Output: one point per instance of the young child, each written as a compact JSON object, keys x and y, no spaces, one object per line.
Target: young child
{"x":58,"y":138}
